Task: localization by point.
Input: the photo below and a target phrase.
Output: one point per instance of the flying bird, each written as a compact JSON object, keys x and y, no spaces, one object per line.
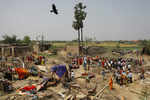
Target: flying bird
{"x":54,"y":10}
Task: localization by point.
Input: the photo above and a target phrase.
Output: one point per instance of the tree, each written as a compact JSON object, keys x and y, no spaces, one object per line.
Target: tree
{"x":9,"y":39}
{"x":13,"y":39}
{"x":79,"y":15}
{"x":26,"y":40}
{"x":145,"y":44}
{"x":76,"y":26}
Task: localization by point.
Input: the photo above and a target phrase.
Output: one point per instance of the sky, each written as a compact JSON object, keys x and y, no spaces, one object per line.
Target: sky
{"x":106,"y":19}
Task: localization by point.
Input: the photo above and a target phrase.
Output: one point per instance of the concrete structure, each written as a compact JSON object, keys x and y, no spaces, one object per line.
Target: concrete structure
{"x":14,"y":50}
{"x":38,"y":47}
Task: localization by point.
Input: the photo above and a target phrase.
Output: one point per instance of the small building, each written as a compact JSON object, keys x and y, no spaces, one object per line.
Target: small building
{"x":14,"y":49}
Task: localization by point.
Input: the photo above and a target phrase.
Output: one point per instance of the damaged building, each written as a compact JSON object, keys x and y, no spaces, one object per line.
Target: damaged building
{"x":14,"y":49}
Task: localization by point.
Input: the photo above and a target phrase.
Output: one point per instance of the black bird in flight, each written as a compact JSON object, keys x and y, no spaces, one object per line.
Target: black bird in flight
{"x":54,"y":10}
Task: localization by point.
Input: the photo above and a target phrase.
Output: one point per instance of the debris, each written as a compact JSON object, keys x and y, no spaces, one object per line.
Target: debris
{"x":100,"y":91}
{"x":148,"y":73}
{"x":42,"y":68}
{"x":68,"y":97}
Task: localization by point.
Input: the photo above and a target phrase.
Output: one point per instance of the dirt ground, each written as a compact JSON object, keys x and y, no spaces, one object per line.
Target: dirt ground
{"x":55,"y":92}
{"x":129,"y":92}
{"x":118,"y":92}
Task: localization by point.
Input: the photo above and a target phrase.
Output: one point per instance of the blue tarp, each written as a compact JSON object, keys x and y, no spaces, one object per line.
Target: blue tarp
{"x":59,"y":70}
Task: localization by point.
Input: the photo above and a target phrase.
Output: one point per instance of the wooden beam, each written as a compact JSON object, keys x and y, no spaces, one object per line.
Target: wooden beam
{"x":100,"y":91}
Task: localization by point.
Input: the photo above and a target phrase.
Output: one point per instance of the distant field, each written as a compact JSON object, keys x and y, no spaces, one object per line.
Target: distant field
{"x":103,"y":44}
{"x":113,"y":44}
{"x":59,"y":44}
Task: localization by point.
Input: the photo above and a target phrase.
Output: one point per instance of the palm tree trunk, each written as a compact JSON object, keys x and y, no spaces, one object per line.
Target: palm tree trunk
{"x":82,"y":36}
{"x":79,"y":41}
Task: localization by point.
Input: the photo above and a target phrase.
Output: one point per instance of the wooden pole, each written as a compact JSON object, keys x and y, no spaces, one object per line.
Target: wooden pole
{"x":101,"y":91}
{"x":98,"y":93}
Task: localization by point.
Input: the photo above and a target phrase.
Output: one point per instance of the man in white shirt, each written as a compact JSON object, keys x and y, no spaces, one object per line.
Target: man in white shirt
{"x":84,"y":62}
{"x":72,"y":75}
{"x":130,"y":77}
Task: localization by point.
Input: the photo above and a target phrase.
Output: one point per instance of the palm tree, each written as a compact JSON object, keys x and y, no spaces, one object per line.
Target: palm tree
{"x":81,"y":18}
{"x":76,"y":26}
{"x":79,"y":15}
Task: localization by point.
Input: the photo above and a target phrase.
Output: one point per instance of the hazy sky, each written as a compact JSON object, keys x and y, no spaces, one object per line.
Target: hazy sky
{"x":106,"y":19}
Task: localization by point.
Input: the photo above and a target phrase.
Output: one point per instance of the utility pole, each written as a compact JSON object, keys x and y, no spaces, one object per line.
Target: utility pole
{"x":42,"y":38}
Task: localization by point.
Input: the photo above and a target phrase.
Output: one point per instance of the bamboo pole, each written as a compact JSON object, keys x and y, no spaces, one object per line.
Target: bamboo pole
{"x":101,"y":91}
{"x":98,"y":93}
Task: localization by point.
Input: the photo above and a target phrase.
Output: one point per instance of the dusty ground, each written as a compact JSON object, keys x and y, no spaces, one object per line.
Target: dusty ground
{"x":52,"y":92}
{"x":118,"y":92}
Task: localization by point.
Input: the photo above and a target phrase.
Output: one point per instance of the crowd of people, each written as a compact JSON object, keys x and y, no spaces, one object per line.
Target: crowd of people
{"x":121,"y":68}
{"x":36,"y":59}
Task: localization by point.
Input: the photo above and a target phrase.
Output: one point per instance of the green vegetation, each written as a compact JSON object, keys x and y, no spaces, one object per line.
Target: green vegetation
{"x":106,"y":44}
{"x":10,"y":39}
{"x":26,"y":40}
{"x":57,"y":45}
{"x":118,"y":46}
{"x":13,"y":40}
{"x":47,"y":55}
{"x":145,"y":44}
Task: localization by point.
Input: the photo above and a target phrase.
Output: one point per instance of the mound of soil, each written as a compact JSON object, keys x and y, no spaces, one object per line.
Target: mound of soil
{"x":95,"y":50}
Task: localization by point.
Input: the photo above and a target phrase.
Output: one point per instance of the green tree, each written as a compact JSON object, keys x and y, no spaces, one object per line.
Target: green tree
{"x":79,"y":15}
{"x":9,"y":39}
{"x":26,"y":40}
{"x":145,"y":44}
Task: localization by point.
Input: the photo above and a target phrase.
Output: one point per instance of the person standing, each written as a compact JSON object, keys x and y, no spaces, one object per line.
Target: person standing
{"x":111,"y":84}
{"x":130,"y":77}
{"x":72,"y":75}
{"x":103,"y":74}
{"x":85,"y":62}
